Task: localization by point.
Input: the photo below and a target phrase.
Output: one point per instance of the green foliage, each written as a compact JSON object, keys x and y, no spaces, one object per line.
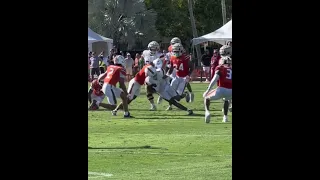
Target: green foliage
{"x":123,"y":21}
{"x":154,"y":18}
{"x":173,"y":17}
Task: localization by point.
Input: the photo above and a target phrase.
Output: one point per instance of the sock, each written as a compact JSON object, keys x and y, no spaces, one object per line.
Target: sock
{"x":126,"y":113}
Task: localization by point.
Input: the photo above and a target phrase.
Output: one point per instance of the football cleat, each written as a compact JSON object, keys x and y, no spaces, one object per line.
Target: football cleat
{"x":190,"y":112}
{"x":169,"y":108}
{"x":93,"y":107}
{"x":114,"y":113}
{"x":207,"y":117}
{"x":159,"y":100}
{"x":225,"y":119}
{"x":153,"y":108}
{"x":128,"y":116}
{"x":187,"y":97}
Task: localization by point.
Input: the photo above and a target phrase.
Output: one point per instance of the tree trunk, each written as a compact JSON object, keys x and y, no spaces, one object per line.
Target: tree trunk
{"x":194,"y":30}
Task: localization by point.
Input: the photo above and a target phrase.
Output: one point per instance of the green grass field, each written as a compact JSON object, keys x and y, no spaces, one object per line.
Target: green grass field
{"x":160,"y":145}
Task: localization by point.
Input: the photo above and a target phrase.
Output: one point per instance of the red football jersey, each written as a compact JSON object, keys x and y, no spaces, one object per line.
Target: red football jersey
{"x":96,"y":87}
{"x":141,"y":75}
{"x":225,"y":76}
{"x":114,"y":73}
{"x":181,"y":64}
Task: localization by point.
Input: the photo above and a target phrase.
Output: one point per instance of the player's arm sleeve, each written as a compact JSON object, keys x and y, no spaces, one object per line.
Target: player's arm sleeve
{"x":89,"y":94}
{"x":214,"y":79}
{"x":102,"y":76}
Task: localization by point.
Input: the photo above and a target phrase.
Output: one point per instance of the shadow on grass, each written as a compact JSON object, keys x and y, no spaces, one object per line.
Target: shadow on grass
{"x":135,"y":147}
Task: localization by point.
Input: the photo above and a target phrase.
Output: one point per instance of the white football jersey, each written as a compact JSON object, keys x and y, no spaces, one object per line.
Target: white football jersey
{"x":148,"y":58}
{"x":162,"y":82}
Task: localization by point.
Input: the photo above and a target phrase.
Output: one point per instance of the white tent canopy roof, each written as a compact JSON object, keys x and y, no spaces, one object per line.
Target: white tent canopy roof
{"x":220,"y":35}
{"x":94,"y":37}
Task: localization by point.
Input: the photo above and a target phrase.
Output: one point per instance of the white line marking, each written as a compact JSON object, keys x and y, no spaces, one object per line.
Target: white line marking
{"x":154,"y":153}
{"x":97,"y":174}
{"x":196,"y":135}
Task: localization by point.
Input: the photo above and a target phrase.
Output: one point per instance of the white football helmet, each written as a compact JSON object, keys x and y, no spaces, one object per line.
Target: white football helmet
{"x":153,"y":46}
{"x":225,"y":60}
{"x":119,"y":60}
{"x":177,"y":49}
{"x":175,"y":40}
{"x":225,"y":50}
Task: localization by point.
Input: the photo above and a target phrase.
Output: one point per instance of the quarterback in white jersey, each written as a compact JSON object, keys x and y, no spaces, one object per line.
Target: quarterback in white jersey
{"x":151,"y":53}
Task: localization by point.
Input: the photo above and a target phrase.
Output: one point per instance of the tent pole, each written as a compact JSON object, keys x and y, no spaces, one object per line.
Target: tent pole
{"x":224,"y":12}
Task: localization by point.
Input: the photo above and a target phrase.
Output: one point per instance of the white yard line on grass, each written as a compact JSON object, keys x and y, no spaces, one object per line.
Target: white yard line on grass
{"x":97,"y":174}
{"x":195,"y":135}
{"x":154,"y":153}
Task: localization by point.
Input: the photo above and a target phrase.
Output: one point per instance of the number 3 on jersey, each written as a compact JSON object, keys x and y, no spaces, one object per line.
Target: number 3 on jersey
{"x":110,"y":73}
{"x":229,"y":74}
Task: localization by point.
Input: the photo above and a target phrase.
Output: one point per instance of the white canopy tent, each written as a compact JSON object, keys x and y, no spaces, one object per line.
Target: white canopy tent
{"x":91,"y":40}
{"x":95,"y":37}
{"x":220,"y":35}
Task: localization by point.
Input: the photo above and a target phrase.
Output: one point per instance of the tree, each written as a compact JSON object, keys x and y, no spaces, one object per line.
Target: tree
{"x":173,"y":17}
{"x":154,"y":19}
{"x":125,"y":21}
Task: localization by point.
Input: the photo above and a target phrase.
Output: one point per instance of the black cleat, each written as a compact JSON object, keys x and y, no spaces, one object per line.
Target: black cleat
{"x":190,"y":112}
{"x":128,"y":116}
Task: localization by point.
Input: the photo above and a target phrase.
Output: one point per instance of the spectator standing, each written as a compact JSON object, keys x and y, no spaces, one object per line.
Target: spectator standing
{"x":103,"y":62}
{"x":206,"y":61}
{"x":214,"y":61}
{"x":129,"y":64}
{"x":110,"y":56}
{"x":136,"y":68}
{"x":94,"y":65}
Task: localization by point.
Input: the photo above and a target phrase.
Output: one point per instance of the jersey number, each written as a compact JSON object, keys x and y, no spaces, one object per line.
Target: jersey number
{"x":110,"y":73}
{"x":180,"y":67}
{"x":229,"y":74}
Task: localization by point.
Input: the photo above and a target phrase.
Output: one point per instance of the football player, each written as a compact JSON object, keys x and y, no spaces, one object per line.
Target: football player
{"x":135,"y":85}
{"x":190,"y":96}
{"x":223,"y":78}
{"x":95,"y":95}
{"x":149,"y":56}
{"x":161,"y":85}
{"x":151,"y":53}
{"x":184,"y":68}
{"x":114,"y":74}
